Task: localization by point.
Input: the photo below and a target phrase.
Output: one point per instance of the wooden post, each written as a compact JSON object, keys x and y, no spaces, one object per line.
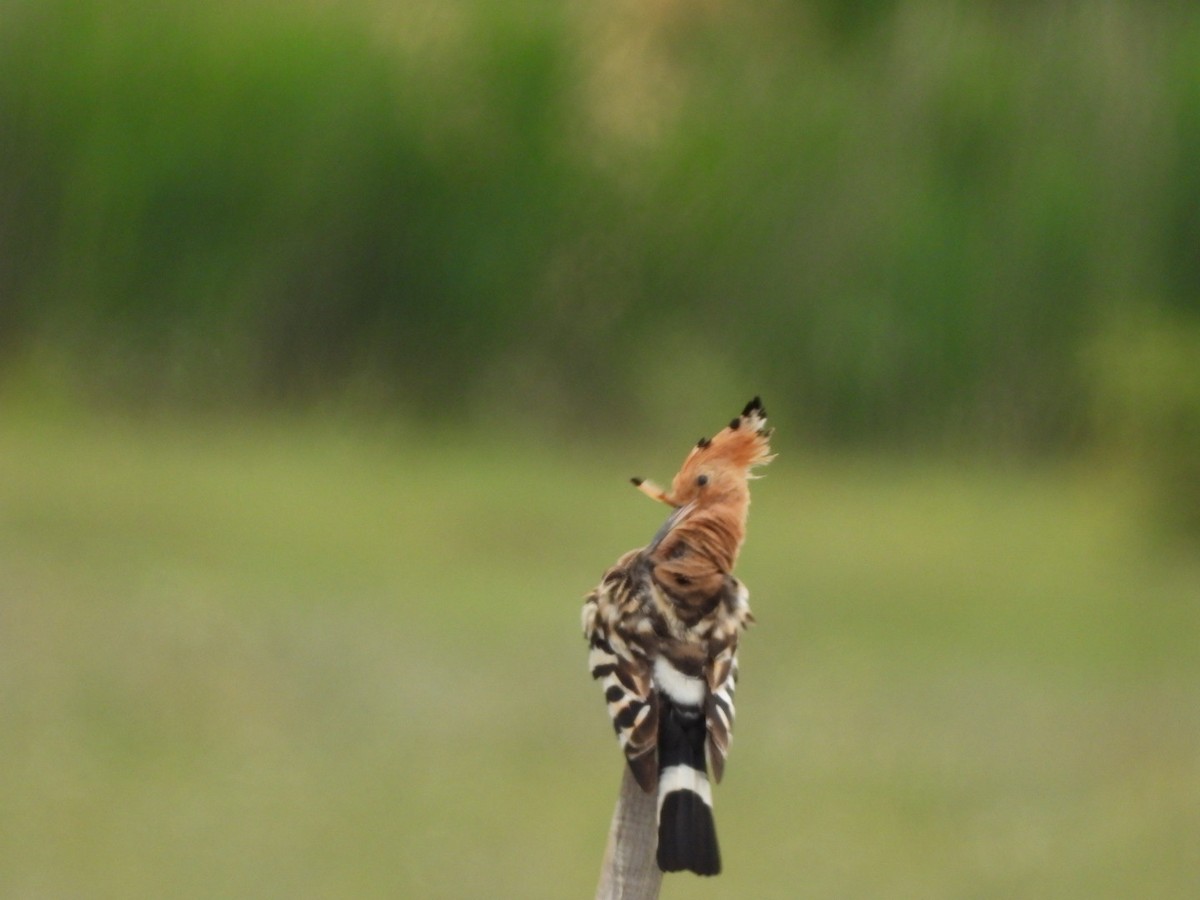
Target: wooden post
{"x":630,"y":869}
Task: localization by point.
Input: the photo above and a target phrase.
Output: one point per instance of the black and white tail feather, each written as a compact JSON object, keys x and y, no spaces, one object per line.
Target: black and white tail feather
{"x":671,"y":705}
{"x":687,"y":833}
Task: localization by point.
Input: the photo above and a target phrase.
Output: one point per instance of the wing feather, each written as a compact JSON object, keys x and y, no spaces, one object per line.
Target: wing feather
{"x":626,"y":677}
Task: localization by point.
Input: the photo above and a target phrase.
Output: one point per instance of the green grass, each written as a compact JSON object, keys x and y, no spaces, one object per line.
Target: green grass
{"x":304,"y":660}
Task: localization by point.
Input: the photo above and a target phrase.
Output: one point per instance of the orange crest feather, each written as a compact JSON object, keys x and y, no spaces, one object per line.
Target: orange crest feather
{"x":725,"y":459}
{"x":737,"y":448}
{"x":698,"y":545}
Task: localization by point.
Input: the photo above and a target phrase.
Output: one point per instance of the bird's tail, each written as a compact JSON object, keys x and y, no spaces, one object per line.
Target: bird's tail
{"x":687,"y":835}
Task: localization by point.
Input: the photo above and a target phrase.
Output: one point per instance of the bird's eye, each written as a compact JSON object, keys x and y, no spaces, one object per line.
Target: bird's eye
{"x":702,"y":480}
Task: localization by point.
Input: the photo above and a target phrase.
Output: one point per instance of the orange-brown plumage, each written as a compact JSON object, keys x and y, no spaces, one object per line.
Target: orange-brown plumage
{"x":711,"y":493}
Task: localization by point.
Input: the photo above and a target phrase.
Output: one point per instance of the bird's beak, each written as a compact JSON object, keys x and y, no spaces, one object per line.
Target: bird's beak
{"x":672,"y":520}
{"x":653,"y":491}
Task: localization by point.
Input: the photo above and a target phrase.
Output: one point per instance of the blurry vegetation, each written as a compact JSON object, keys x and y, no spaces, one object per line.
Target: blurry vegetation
{"x":1147,"y":403}
{"x":247,"y":655}
{"x":906,"y":223}
{"x":896,"y":217}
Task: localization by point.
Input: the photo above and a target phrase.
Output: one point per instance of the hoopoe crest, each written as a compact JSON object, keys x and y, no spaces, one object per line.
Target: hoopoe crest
{"x":663,"y":629}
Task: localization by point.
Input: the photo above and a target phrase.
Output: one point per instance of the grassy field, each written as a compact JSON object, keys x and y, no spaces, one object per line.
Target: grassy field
{"x":304,"y":660}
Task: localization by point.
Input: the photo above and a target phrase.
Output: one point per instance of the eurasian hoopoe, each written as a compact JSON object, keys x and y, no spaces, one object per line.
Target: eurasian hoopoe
{"x":663,"y":628}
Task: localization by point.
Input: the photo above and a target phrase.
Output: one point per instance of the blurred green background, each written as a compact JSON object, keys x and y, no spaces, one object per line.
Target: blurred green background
{"x":330,"y":332}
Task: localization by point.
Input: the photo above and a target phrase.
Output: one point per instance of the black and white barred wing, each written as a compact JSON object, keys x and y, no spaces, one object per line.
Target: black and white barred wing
{"x":623,"y":669}
{"x":721,"y":673}
{"x":718,"y":708}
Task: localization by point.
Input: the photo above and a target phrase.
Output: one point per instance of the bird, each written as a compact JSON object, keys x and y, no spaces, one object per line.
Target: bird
{"x":662,"y":630}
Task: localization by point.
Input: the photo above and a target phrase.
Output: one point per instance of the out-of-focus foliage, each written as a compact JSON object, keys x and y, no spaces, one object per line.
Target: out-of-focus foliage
{"x":307,"y":659}
{"x":896,"y":219}
{"x":1147,"y":404}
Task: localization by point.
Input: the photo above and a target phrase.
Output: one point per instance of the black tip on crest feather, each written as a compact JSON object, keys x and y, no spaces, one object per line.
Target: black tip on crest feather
{"x":734,"y":423}
{"x":703,"y":442}
{"x":754,"y":405}
{"x":636,"y":482}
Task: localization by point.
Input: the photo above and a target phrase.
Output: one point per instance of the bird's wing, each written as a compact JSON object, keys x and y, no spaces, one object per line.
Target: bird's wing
{"x":623,"y":665}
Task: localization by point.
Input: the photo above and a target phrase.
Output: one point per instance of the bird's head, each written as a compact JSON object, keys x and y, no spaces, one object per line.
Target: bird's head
{"x":714,"y":478}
